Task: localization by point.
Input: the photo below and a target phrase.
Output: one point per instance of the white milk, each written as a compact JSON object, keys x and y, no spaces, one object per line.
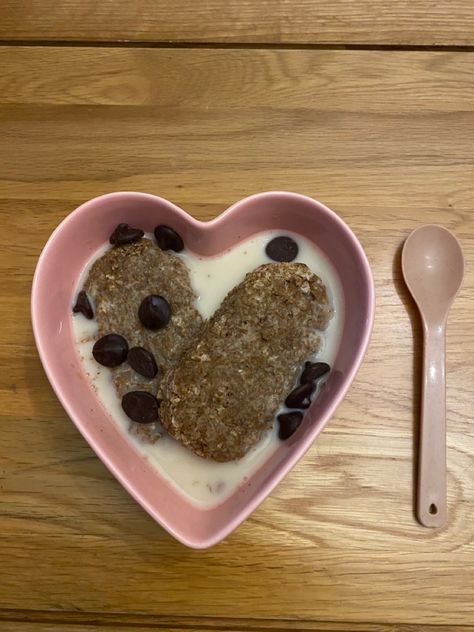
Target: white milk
{"x":207,"y":483}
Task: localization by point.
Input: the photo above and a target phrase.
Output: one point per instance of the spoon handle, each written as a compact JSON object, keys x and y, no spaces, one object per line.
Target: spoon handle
{"x":431,"y":502}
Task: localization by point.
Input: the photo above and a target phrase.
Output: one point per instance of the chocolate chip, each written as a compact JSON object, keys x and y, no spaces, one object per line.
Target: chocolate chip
{"x":282,"y":249}
{"x":141,"y":406}
{"x":313,"y":371}
{"x":289,"y":424}
{"x":154,"y":312}
{"x":83,"y":305}
{"x":300,"y":397}
{"x":110,"y":350}
{"x":142,"y":361}
{"x":168,"y":239}
{"x":125,"y":234}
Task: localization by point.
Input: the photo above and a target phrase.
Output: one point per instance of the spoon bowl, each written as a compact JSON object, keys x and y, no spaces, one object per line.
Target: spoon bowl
{"x":433,"y":268}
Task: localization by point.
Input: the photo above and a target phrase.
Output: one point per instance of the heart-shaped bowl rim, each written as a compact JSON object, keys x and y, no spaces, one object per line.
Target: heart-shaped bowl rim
{"x":58,"y":269}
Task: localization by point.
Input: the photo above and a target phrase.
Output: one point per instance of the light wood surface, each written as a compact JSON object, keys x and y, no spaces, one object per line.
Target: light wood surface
{"x":334,"y":22}
{"x":383,"y":137}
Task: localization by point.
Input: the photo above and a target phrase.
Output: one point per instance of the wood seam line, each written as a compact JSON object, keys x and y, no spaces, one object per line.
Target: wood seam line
{"x":234,"y":45}
{"x":119,"y":620}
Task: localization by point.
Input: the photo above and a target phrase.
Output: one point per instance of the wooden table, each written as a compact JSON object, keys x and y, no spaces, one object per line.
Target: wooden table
{"x":366,"y":105}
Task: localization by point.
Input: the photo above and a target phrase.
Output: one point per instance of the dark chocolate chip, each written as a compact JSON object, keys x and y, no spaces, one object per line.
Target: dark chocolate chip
{"x":168,"y":239}
{"x":141,"y":406}
{"x":300,"y":397}
{"x":83,"y":305}
{"x":125,"y":234}
{"x":154,"y":312}
{"x":282,"y":249}
{"x":313,"y":371}
{"x":289,"y":424}
{"x":142,"y":361}
{"x":110,"y":350}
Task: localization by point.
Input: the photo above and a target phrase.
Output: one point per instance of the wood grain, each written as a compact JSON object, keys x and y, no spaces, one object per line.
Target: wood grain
{"x":322,"y":22}
{"x":384,"y":138}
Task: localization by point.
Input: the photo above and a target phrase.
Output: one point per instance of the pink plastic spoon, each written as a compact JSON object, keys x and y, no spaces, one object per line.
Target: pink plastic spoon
{"x":433,"y":268}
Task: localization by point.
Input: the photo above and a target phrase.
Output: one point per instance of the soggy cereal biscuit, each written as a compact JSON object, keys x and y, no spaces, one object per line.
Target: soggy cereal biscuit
{"x":119,"y":282}
{"x":228,"y":386}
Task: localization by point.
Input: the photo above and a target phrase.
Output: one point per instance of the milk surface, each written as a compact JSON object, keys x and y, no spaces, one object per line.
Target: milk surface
{"x":208,"y":483}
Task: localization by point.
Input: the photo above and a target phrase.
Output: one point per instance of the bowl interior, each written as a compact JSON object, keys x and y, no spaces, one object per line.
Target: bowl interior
{"x":62,"y":261}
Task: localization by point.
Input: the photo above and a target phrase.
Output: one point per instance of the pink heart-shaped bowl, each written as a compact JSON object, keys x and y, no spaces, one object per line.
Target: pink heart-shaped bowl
{"x":59,"y":266}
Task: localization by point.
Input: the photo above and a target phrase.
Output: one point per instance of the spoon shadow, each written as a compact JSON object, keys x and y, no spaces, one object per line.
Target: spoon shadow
{"x":417,"y":361}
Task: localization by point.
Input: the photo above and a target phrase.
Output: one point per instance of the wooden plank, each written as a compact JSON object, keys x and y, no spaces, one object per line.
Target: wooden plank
{"x":401,"y":83}
{"x":325,"y":22}
{"x":388,"y":148}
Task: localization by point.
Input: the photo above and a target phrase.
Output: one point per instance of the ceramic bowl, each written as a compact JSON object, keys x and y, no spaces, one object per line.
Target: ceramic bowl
{"x":59,"y":266}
